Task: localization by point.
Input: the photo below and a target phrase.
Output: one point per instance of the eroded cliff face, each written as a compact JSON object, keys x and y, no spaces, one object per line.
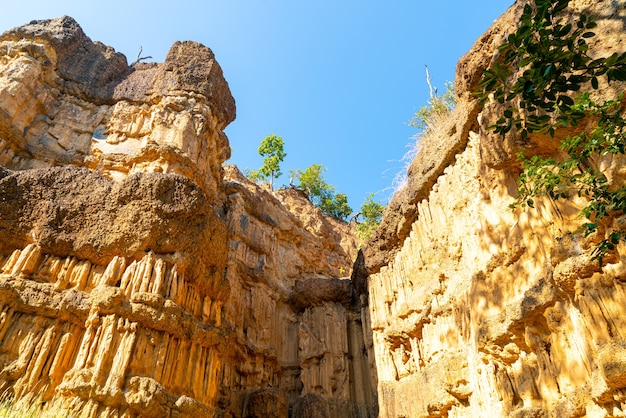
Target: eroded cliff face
{"x":136,"y":279}
{"x":68,"y":100}
{"x":478,"y":310}
{"x":298,"y":327}
{"x":113,"y":245}
{"x":141,"y":277}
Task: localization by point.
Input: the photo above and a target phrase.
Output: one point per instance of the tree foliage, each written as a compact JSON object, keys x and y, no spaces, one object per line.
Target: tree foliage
{"x":372,"y":213}
{"x":320,"y":193}
{"x":336,"y":206}
{"x":311,"y":182}
{"x":553,"y":54}
{"x":272,"y":151}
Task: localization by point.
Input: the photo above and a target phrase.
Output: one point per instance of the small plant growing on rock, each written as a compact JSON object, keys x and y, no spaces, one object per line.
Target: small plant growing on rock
{"x":437,"y":108}
{"x":426,"y":119}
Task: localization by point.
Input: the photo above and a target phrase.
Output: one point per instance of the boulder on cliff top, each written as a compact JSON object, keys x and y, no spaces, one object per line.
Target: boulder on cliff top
{"x":97,"y":73}
{"x":189,"y":66}
{"x":89,"y":70}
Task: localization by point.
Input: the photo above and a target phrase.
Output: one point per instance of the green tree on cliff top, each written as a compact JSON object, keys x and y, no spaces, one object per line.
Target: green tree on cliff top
{"x":372,"y":213}
{"x":272,"y":151}
{"x":320,"y":193}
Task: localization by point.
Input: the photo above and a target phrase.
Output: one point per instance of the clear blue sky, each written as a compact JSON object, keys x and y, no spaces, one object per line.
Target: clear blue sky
{"x":338,"y":80}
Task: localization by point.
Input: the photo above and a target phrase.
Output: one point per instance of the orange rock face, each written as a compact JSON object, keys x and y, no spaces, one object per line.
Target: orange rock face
{"x":297,"y":324}
{"x":139,"y":276}
{"x":113,"y":246}
{"x":136,"y":279}
{"x":478,"y":310}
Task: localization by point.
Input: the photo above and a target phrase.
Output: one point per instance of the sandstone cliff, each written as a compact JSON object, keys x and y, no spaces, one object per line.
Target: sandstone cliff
{"x":477,"y":310}
{"x":137,"y":277}
{"x":298,"y":329}
{"x":141,"y":277}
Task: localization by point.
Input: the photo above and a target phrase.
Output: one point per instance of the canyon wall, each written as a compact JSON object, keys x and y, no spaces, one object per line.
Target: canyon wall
{"x":297,"y":324}
{"x":139,"y":277}
{"x":480,"y":310}
{"x":113,"y":246}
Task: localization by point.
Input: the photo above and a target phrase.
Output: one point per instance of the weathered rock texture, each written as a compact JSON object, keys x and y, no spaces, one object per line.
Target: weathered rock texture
{"x":137,"y":280}
{"x":480,"y":311}
{"x":113,"y":245}
{"x":68,"y":100}
{"x":140,"y":277}
{"x":298,"y":328}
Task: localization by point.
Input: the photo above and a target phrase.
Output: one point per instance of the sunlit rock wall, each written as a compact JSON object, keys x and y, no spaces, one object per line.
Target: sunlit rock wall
{"x":137,"y":280}
{"x":113,"y":245}
{"x":68,"y":100}
{"x":298,"y":327}
{"x":479,"y":310}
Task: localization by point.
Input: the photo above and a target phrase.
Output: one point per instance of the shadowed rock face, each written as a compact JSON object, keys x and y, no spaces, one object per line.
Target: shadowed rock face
{"x":71,"y":211}
{"x":268,"y":402}
{"x":314,"y":292}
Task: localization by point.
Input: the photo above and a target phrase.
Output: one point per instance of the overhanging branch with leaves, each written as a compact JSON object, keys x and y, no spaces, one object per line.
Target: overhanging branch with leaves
{"x":553,"y":57}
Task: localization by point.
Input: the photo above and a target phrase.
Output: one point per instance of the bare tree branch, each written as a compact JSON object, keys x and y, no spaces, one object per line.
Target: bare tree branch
{"x":432,"y":91}
{"x":139,"y":57}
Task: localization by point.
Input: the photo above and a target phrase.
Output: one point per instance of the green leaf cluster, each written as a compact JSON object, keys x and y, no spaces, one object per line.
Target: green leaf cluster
{"x":372,"y":213}
{"x":320,"y":193}
{"x":272,"y":151}
{"x":556,"y":62}
{"x":556,"y":65}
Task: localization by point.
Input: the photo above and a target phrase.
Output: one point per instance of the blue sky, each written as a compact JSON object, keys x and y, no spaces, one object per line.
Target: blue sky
{"x":338,"y":80}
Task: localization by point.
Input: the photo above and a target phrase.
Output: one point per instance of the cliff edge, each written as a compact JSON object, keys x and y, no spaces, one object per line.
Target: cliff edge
{"x":138,"y":275}
{"x":479,"y":310}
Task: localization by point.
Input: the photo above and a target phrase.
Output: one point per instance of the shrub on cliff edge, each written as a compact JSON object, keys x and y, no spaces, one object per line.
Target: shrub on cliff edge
{"x":320,"y":193}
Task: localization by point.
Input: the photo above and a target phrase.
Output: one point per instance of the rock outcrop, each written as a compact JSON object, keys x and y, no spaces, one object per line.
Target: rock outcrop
{"x":114,"y":244}
{"x":137,"y":277}
{"x":68,"y":100}
{"x":297,"y":325}
{"x":478,"y":310}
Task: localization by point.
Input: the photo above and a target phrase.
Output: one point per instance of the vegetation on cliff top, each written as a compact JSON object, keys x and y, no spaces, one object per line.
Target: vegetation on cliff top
{"x":311,"y":181}
{"x":426,"y":120}
{"x":320,"y":193}
{"x":435,"y":111}
{"x":555,"y":57}
{"x":273,"y":153}
{"x":372,"y":213}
